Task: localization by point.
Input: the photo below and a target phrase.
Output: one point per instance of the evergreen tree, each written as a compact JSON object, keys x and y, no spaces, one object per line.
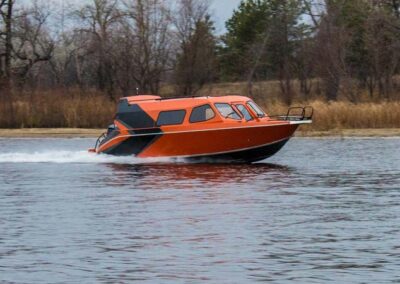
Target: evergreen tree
{"x":261,"y":42}
{"x":245,"y":28}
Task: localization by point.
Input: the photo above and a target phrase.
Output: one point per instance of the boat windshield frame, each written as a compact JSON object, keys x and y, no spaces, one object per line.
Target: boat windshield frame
{"x":256,"y":109}
{"x":229,"y":115}
{"x":237,"y":105}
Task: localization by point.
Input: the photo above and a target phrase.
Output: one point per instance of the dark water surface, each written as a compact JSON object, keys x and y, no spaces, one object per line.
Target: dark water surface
{"x":320,"y":211}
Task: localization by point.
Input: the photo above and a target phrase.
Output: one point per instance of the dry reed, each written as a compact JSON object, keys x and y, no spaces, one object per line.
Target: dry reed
{"x":58,"y":109}
{"x":345,"y":115}
{"x":91,"y":109}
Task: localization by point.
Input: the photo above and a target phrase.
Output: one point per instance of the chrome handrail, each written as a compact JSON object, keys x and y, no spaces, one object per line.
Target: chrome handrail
{"x":100,"y":139}
{"x":307,"y":113}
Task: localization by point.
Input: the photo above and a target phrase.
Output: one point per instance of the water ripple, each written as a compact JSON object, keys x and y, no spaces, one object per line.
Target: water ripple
{"x":321,"y":211}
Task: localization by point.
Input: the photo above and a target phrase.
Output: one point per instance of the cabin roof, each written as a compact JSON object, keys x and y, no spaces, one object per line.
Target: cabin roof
{"x":142,"y":98}
{"x":183,"y":102}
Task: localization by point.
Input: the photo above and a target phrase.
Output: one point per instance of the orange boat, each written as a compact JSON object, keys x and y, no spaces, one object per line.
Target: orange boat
{"x":222,"y":129}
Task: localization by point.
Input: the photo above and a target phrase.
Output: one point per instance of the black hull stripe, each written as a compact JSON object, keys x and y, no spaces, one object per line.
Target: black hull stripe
{"x":131,"y":146}
{"x":251,"y":154}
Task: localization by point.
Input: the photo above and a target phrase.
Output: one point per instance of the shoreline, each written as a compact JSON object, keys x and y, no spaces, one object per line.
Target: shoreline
{"x":94,"y":133}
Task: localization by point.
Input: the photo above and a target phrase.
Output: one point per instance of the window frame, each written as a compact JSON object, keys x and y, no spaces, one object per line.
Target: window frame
{"x":228,"y":117}
{"x":254,"y":110}
{"x":164,"y":111}
{"x":190,"y":116}
{"x":244,"y":105}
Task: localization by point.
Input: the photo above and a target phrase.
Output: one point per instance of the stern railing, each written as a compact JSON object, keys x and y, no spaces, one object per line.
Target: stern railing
{"x":100,"y":139}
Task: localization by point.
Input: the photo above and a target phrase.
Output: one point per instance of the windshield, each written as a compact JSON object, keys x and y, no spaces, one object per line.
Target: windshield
{"x":256,"y":109}
{"x":244,"y":111}
{"x":227,"y":111}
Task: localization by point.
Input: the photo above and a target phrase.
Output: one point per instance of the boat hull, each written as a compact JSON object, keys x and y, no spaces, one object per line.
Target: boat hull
{"x":244,"y":155}
{"x":235,"y":144}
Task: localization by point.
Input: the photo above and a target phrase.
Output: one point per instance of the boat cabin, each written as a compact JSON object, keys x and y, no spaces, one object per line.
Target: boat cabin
{"x":148,"y":111}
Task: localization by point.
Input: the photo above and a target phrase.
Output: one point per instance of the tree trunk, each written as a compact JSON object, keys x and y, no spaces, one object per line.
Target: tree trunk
{"x":8,"y":43}
{"x":332,"y":84}
{"x":6,"y":84}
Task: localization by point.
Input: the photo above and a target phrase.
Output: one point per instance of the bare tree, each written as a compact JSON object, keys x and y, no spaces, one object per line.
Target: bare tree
{"x":147,"y":31}
{"x":383,"y":45}
{"x":188,"y":14}
{"x":304,"y":65}
{"x":331,"y":40}
{"x":32,"y":42}
{"x":63,"y":56}
{"x":6,"y":13}
{"x":61,"y":66}
{"x":99,"y":20}
{"x":196,"y":57}
{"x":196,"y":64}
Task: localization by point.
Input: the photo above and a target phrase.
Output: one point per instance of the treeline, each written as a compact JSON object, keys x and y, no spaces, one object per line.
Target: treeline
{"x":349,"y":46}
{"x":330,"y":48}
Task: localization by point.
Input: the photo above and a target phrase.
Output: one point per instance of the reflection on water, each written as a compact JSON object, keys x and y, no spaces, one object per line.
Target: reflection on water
{"x":321,"y":211}
{"x":191,"y":175}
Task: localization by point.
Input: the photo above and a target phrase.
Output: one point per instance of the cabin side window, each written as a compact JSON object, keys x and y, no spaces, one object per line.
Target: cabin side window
{"x":171,"y":117}
{"x":201,"y":113}
{"x":244,"y":111}
{"x":227,"y":111}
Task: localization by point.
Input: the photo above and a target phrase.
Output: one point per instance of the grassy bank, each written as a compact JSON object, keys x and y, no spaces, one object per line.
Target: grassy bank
{"x":330,"y":116}
{"x":94,"y":133}
{"x":76,"y":109}
{"x":58,"y":109}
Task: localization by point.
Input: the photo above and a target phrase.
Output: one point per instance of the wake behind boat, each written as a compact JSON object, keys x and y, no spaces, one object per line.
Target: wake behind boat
{"x":228,"y":129}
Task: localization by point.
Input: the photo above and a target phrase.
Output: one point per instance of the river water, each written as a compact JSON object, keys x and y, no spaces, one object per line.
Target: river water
{"x":320,"y":211}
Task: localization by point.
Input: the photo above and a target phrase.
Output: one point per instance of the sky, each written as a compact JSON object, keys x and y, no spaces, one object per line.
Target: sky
{"x":222,"y":10}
